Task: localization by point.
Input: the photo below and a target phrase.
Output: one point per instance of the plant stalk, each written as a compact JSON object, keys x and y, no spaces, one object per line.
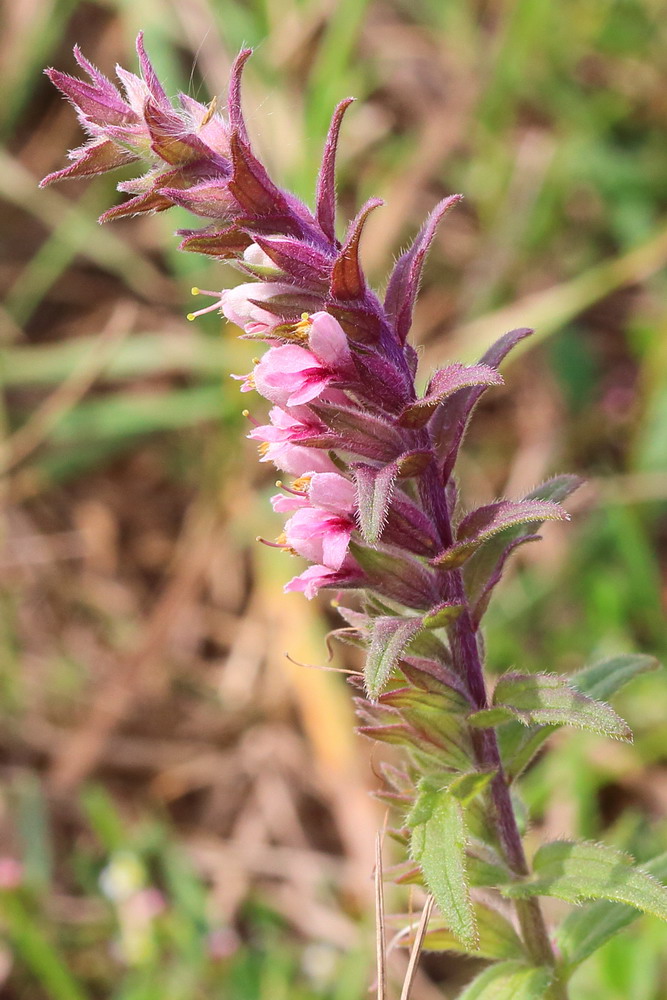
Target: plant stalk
{"x":465,"y":650}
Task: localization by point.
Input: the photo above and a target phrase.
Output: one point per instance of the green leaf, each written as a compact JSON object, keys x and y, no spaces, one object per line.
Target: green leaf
{"x":438,"y":844}
{"x":549,"y":699}
{"x":589,"y":927}
{"x":466,"y":787}
{"x":389,"y":637}
{"x":509,"y":981}
{"x":497,"y":938}
{"x":579,"y":871}
{"x":602,"y":680}
{"x":442,"y":615}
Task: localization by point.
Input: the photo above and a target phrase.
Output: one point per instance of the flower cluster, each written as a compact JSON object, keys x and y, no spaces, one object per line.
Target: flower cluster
{"x":373,"y":505}
{"x":371,"y":459}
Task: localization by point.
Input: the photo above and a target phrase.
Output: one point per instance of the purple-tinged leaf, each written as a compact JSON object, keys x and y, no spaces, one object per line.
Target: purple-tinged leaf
{"x":380,"y":381}
{"x":484,"y":598}
{"x":443,"y":699}
{"x":102,"y":83}
{"x":234,"y":110}
{"x":347,"y":277}
{"x":404,"y":282}
{"x":361,"y":432}
{"x":149,"y":74}
{"x":548,"y":699}
{"x":407,"y":526}
{"x":152,"y":201}
{"x":442,"y":615}
{"x":225,"y":243}
{"x":209,"y":199}
{"x":300,"y":260}
{"x":375,"y":488}
{"x":398,"y":576}
{"x":101,"y":107}
{"x":413,"y":463}
{"x":485,"y":522}
{"x":449,"y":423}
{"x":326,"y":182}
{"x":485,"y":567}
{"x":389,"y":637}
{"x":89,"y":160}
{"x":430,"y":675}
{"x":250,"y":184}
{"x":444,"y":384}
{"x":361,"y":322}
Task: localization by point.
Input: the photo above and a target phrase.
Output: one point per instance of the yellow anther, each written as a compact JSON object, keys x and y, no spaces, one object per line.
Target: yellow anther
{"x":334,"y":603}
{"x":255,"y":361}
{"x":195,"y":291}
{"x":263,"y":448}
{"x":191,"y":317}
{"x":301,"y":484}
{"x":245,"y":413}
{"x":210,"y":111}
{"x":279,"y":483}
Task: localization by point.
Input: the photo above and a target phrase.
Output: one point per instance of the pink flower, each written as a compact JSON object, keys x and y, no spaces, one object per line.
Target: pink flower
{"x":316,"y":577}
{"x":291,"y":375}
{"x":323,"y":520}
{"x":319,"y":536}
{"x":237,"y":306}
{"x":281,"y":441}
{"x":327,"y":491}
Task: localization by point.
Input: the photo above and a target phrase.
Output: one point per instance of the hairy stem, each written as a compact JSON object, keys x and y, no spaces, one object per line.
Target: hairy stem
{"x":465,"y":650}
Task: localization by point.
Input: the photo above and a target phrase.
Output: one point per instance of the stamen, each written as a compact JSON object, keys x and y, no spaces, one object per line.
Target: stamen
{"x":278,"y":544}
{"x":248,"y":415}
{"x":263,"y":448}
{"x":210,"y":111}
{"x":301,"y":484}
{"x":200,"y":312}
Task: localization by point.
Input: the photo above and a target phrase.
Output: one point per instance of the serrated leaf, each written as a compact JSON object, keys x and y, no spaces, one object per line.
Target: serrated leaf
{"x":509,"y":981}
{"x":438,"y":844}
{"x":548,"y":699}
{"x":497,"y":938}
{"x":483,"y":570}
{"x":602,"y":680}
{"x":389,"y":637}
{"x":374,"y":491}
{"x":578,"y":871}
{"x":444,"y":384}
{"x":587,"y":928}
{"x":485,"y":522}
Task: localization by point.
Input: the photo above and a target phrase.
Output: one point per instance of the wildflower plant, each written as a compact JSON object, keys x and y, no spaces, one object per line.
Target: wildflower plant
{"x":373,"y":507}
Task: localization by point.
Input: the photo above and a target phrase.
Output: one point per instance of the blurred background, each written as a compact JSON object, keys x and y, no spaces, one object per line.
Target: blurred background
{"x":185,"y":812}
